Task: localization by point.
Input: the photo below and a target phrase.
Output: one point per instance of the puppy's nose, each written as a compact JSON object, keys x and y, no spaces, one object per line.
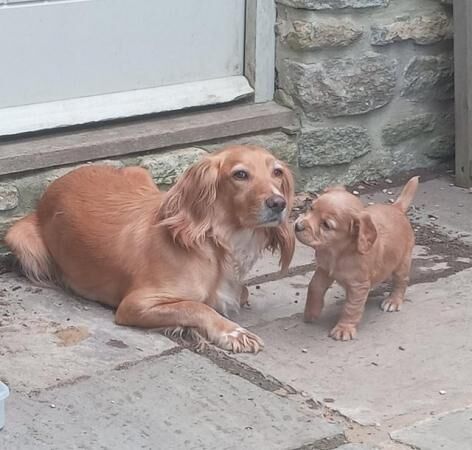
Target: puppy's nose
{"x":299,"y":225}
{"x":276,"y":203}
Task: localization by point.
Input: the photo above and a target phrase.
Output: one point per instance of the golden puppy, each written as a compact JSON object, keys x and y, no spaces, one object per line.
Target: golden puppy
{"x":163,"y":259}
{"x":357,"y":247}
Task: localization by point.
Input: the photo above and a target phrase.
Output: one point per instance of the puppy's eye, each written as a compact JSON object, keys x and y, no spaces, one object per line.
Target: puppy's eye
{"x":241,"y":175}
{"x":278,"y":172}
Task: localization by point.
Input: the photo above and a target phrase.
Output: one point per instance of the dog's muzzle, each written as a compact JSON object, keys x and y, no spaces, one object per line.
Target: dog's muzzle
{"x":273,"y":210}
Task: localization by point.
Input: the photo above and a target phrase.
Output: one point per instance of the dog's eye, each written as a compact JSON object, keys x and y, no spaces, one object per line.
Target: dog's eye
{"x":325,"y":224}
{"x":241,"y":175}
{"x":278,"y":172}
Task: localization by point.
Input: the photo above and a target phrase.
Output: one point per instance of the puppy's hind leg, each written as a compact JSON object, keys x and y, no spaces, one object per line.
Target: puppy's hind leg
{"x":401,"y":277}
{"x":143,"y":308}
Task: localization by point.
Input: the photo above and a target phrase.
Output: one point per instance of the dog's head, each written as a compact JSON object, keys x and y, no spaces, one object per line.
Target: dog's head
{"x":237,"y":187}
{"x":337,"y":220}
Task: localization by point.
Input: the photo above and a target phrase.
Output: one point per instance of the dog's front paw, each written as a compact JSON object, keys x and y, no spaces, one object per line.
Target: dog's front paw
{"x":311,"y":316}
{"x":241,"y":340}
{"x":391,"y":304}
{"x":343,"y":332}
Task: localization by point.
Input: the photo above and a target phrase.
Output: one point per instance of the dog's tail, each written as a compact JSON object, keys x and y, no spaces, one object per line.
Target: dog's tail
{"x":406,"y":196}
{"x":25,"y":241}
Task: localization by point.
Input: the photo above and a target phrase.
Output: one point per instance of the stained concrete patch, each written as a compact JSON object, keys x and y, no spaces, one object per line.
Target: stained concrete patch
{"x":176,"y":402}
{"x":49,"y":337}
{"x":429,"y":340}
{"x":449,"y":431}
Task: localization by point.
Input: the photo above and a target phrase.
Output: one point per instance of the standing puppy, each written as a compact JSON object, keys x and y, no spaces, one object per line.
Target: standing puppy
{"x":358,"y":247}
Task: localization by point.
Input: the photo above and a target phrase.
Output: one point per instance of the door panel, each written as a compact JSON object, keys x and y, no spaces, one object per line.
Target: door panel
{"x":62,"y":50}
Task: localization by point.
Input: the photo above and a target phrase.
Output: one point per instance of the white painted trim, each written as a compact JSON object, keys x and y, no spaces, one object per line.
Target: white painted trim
{"x":260,"y":48}
{"x":75,"y":111}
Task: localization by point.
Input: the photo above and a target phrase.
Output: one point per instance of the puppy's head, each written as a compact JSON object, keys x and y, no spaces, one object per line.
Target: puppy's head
{"x":238,"y":187}
{"x":337,"y":220}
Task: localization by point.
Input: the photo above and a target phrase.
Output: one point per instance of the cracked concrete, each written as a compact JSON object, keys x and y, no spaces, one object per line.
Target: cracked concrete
{"x":80,"y":381}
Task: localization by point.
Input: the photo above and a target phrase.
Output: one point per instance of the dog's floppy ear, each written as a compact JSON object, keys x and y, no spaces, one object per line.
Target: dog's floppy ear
{"x":282,"y":238}
{"x":364,"y":231}
{"x":187,"y":209}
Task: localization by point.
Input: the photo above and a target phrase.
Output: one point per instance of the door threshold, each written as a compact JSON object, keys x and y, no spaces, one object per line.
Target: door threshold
{"x":29,"y":153}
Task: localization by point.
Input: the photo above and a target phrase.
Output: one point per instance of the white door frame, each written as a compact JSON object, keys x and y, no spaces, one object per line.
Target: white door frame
{"x":259,"y":54}
{"x":258,"y":80}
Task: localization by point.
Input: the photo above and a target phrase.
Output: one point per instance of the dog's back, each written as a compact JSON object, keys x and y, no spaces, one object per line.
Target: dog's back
{"x":88,"y":208}
{"x":396,"y":238}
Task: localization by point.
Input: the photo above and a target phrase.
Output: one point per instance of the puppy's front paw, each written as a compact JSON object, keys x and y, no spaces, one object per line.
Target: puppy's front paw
{"x":343,"y":332}
{"x":241,"y":340}
{"x":391,"y":304}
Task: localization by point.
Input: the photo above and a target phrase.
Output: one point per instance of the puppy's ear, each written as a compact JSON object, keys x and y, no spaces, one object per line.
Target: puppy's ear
{"x":364,"y":231}
{"x":282,"y":238}
{"x":187,"y":209}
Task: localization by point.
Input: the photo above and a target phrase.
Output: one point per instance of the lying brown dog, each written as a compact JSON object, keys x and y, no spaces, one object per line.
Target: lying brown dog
{"x":163,"y":259}
{"x":358,"y":247}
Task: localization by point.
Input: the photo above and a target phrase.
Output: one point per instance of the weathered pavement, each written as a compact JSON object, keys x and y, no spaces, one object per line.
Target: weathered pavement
{"x":80,"y":382}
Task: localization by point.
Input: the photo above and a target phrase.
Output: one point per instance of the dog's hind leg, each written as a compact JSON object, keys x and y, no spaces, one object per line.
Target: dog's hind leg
{"x":25,"y":241}
{"x":401,"y":277}
{"x":143,"y":308}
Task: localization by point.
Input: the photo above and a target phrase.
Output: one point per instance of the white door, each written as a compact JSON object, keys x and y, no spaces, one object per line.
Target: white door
{"x":65,"y":62}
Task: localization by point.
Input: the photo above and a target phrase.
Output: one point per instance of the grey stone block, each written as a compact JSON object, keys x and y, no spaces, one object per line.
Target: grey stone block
{"x":372,"y":166}
{"x":333,"y":145}
{"x":407,"y":128}
{"x":429,"y":78}
{"x":8,"y":196}
{"x":319,"y":33}
{"x":334,"y":4}
{"x":441,"y":148}
{"x":282,"y":145}
{"x":165,"y":168}
{"x":423,"y":30}
{"x":341,"y":86}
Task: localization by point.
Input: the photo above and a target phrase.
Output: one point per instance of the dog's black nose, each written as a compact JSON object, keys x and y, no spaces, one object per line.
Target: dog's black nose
{"x":276,"y":203}
{"x":299,"y":225}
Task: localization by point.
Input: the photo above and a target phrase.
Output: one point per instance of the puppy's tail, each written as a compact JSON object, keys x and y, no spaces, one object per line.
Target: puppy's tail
{"x":406,"y":196}
{"x":25,"y":241}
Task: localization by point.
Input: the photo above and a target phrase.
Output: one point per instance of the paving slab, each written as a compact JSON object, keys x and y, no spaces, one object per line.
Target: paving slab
{"x":379,"y":378}
{"x":356,"y":447}
{"x":274,"y":300}
{"x":180,"y":401}
{"x":49,"y":337}
{"x":269,"y":263}
{"x":449,"y":431}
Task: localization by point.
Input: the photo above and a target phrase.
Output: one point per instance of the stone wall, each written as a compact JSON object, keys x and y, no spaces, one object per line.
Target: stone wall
{"x":372,"y":83}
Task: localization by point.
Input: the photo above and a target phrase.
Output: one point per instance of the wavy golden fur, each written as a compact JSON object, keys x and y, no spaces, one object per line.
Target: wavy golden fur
{"x":163,"y":259}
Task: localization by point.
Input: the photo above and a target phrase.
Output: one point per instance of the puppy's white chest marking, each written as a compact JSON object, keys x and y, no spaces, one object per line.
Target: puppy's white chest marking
{"x":246,"y":247}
